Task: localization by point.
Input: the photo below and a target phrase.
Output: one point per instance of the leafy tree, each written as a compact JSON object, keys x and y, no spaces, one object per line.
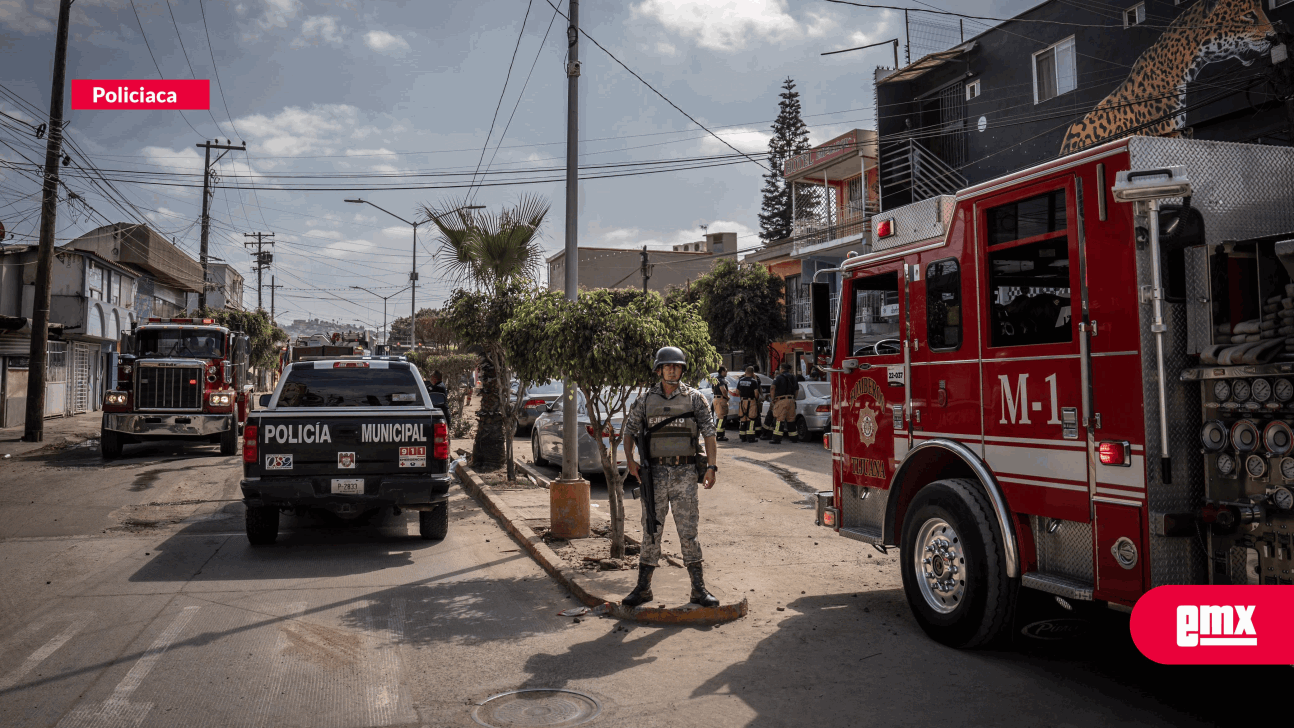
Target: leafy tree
{"x":454,"y":368}
{"x":263,"y":335}
{"x":742,"y":304}
{"x":605,"y":341}
{"x":790,"y":137}
{"x":476,"y":318}
{"x":431,"y":329}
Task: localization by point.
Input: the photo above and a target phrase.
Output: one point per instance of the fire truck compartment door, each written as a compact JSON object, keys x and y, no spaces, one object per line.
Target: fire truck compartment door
{"x":871,"y":408}
{"x":1034,"y":371}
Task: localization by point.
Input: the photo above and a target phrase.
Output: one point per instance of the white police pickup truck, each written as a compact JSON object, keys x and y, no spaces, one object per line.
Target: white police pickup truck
{"x":347,"y":435}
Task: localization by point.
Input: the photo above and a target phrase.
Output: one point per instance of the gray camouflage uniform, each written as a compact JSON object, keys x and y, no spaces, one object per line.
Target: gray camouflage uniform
{"x":675,"y":485}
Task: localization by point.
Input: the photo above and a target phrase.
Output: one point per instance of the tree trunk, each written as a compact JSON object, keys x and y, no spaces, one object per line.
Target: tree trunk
{"x":489,"y":448}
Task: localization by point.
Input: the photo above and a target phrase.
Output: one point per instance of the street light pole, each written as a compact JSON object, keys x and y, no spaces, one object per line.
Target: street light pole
{"x":384,"y":300}
{"x":413,"y":274}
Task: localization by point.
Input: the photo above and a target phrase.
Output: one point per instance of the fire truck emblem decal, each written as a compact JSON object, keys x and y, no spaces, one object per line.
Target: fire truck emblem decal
{"x":867,"y":425}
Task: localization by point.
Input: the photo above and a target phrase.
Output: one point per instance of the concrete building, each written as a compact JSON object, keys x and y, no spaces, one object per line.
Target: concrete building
{"x":622,"y":267}
{"x":224,"y":288}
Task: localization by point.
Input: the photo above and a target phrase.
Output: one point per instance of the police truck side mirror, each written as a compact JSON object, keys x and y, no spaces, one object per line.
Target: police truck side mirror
{"x":820,"y":309}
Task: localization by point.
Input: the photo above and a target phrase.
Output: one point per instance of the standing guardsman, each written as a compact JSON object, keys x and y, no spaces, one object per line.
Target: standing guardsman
{"x":719,"y":387}
{"x":668,"y":421}
{"x":784,"y":389}
{"x":748,"y":388}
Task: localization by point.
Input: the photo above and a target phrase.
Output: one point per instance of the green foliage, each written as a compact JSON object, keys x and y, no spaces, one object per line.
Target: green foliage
{"x":741,"y":303}
{"x":264,"y":336}
{"x":489,"y":250}
{"x":454,"y":368}
{"x":790,"y":137}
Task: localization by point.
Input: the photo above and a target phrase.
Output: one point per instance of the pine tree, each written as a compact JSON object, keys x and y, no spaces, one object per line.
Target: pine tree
{"x":790,"y":137}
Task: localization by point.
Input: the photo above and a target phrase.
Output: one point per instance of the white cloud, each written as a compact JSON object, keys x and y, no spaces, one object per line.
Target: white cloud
{"x":347,"y":248}
{"x":15,"y":15}
{"x":330,"y":234}
{"x":318,"y":29}
{"x":384,"y":42}
{"x":278,"y":13}
{"x":725,"y":25}
{"x":321,"y":129}
{"x":749,"y":140}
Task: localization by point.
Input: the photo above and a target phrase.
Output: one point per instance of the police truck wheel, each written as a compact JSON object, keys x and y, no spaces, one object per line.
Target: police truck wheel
{"x":110,"y":445}
{"x":535,"y":457}
{"x":229,"y":441}
{"x":262,"y":525}
{"x":954,"y":565}
{"x":434,"y":525}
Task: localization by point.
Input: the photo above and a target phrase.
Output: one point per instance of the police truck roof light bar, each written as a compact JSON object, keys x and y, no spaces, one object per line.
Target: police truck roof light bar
{"x":157,"y":320}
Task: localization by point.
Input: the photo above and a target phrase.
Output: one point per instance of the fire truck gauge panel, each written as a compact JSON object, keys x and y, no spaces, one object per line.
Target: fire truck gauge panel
{"x":1256,"y":466}
{"x":1213,"y":436}
{"x":1287,"y":468}
{"x":1282,"y":498}
{"x":1278,"y":438}
{"x":1261,"y":390}
{"x":1283,"y":389}
{"x":1226,"y":464}
{"x":1221,"y":390}
{"x":1244,"y":436}
{"x":1240,"y":390}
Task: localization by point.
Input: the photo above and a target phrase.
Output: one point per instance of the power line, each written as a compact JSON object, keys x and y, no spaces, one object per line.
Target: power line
{"x":144,"y":35}
{"x":1110,"y":26}
{"x":502,"y":92}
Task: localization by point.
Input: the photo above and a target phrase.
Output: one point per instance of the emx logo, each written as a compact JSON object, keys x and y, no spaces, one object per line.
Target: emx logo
{"x":1215,"y":625}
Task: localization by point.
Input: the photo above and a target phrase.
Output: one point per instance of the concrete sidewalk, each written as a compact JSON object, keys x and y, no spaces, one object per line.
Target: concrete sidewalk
{"x":523,"y":510}
{"x":60,"y":433}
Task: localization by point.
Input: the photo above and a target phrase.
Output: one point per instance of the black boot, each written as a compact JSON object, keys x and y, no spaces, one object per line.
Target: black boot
{"x":699,"y":593}
{"x":641,"y":593}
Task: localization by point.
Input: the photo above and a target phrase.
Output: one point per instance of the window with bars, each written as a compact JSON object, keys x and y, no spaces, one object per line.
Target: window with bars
{"x":1054,"y":71}
{"x":1135,"y":15}
{"x":856,"y":203}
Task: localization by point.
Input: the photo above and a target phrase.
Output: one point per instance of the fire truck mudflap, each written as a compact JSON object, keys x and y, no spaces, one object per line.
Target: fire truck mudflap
{"x":1078,"y":379}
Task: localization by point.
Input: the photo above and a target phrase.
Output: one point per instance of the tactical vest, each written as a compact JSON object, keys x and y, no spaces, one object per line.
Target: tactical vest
{"x":678,"y":438}
{"x":748,"y":387}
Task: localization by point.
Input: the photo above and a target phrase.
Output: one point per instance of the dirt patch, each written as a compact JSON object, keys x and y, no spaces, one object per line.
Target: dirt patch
{"x":324,"y":646}
{"x":590,"y":554}
{"x":498,"y":480}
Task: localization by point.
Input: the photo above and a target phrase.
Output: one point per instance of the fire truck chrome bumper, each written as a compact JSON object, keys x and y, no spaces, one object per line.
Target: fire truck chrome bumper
{"x":161,"y":425}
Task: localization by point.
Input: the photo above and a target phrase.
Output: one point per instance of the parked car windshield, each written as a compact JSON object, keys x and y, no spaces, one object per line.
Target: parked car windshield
{"x":816,"y":389}
{"x":350,"y":387}
{"x":182,"y":343}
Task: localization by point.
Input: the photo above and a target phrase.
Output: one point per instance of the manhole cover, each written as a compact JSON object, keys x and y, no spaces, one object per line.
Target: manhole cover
{"x":537,"y":707}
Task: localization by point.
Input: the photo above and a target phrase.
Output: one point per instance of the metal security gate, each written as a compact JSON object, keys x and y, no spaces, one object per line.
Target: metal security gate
{"x":952,"y":125}
{"x":79,"y":390}
{"x":56,"y":394}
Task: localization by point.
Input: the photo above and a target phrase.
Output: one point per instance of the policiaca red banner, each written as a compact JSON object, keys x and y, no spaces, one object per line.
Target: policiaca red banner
{"x":1215,"y":625}
{"x":127,"y":95}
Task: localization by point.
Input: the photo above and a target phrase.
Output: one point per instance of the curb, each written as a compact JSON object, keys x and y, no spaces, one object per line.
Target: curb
{"x":556,"y":567}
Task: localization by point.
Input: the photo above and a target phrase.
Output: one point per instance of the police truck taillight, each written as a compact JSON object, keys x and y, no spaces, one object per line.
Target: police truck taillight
{"x":440,"y":441}
{"x":249,"y":443}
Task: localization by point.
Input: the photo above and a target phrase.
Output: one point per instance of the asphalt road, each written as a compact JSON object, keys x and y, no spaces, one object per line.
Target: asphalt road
{"x":132,"y":598}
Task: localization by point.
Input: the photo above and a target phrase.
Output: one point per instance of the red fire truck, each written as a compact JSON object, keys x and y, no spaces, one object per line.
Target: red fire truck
{"x":1077,"y":378}
{"x":183,"y":378}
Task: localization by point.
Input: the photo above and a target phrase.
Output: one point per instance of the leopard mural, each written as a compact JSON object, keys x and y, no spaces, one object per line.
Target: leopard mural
{"x":1152,"y":99}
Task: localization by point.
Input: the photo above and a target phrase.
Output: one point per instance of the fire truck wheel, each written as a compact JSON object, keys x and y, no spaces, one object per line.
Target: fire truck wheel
{"x":229,"y":441}
{"x":262,"y":525}
{"x":434,"y":525}
{"x":953,"y":565}
{"x":110,"y":445}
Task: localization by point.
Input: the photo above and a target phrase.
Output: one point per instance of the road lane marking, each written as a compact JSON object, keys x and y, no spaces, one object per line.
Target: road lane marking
{"x":117,"y":711}
{"x":78,"y":623}
{"x":382,"y":668}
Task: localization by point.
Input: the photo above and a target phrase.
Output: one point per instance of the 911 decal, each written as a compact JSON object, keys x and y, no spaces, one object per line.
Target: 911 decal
{"x":413,"y":457}
{"x":278,"y":462}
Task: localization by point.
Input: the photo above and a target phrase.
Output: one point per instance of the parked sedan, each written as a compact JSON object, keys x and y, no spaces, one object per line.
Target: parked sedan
{"x":538,"y":397}
{"x":812,"y":409}
{"x":546,"y":438}
{"x":734,"y":399}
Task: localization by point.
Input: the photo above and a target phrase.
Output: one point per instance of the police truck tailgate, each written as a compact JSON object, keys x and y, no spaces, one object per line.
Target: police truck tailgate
{"x":358,"y":445}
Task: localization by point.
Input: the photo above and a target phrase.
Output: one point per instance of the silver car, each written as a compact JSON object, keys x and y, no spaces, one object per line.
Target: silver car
{"x":546,"y":438}
{"x":812,"y":409}
{"x":538,"y":397}
{"x":734,"y":399}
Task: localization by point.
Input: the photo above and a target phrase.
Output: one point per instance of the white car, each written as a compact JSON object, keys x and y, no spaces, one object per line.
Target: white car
{"x":812,"y":409}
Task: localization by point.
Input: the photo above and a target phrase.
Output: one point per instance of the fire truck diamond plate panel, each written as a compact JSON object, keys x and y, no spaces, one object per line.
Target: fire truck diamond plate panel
{"x":922,"y":220}
{"x":1067,"y":551}
{"x":869,"y":511}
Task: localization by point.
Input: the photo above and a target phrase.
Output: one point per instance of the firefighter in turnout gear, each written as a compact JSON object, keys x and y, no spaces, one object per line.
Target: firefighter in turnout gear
{"x":667,"y":423}
{"x":784,"y":389}
{"x":748,"y":388}
{"x":720,"y":390}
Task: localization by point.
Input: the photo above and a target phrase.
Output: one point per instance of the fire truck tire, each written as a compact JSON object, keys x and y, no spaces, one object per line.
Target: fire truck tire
{"x":262,"y":525}
{"x":953,"y":565}
{"x":110,"y":444}
{"x":229,"y":441}
{"x":434,"y":525}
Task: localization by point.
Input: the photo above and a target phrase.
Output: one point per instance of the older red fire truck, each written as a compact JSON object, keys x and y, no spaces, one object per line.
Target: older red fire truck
{"x":1091,"y":388}
{"x":184,"y":378}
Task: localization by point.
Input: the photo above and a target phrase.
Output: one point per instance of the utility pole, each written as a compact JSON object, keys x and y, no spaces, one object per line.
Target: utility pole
{"x":272,"y":288}
{"x":263,"y":261}
{"x":206,"y":207}
{"x":646,"y":269}
{"x":569,"y":495}
{"x":34,"y":425}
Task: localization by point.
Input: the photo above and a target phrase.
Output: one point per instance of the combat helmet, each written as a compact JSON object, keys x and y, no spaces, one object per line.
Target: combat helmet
{"x":670,"y":355}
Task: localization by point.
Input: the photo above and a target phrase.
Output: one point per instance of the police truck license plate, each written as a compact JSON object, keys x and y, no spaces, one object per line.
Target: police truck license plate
{"x":348,"y":486}
{"x":413,"y":457}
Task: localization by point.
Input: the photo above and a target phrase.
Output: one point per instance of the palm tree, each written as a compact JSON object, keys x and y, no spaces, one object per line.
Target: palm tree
{"x":492,"y":252}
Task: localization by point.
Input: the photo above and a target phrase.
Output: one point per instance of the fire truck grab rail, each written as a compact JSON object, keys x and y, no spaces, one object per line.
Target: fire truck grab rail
{"x":991,"y":487}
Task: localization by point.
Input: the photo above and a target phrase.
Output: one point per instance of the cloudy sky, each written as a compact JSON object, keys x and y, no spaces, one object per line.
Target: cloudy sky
{"x":345,"y":88}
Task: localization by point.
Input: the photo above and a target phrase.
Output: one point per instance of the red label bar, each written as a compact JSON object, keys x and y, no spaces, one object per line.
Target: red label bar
{"x":126,"y":94}
{"x":1215,"y":625}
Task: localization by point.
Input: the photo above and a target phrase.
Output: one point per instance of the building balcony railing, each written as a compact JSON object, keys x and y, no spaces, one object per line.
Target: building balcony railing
{"x":799,"y":314}
{"x":816,"y":230}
